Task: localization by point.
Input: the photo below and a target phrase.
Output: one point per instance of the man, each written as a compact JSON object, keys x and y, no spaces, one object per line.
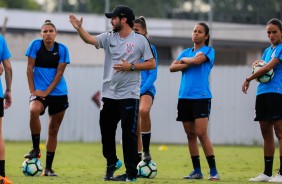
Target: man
{"x":121,"y":86}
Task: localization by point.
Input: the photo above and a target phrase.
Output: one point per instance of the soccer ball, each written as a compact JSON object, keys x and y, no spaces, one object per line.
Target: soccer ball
{"x":147,"y":169}
{"x":267,"y":76}
{"x":32,"y":167}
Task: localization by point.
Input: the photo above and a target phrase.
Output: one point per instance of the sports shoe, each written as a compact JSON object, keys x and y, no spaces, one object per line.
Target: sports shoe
{"x":111,"y":169}
{"x":34,"y":153}
{"x":261,"y":178}
{"x":123,"y":177}
{"x":49,"y":172}
{"x":147,"y":157}
{"x":276,"y":179}
{"x":194,"y":175}
{"x":214,"y":177}
{"x":5,"y":180}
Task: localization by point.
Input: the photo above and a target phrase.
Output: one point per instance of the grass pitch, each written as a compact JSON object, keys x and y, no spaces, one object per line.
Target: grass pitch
{"x":84,"y":163}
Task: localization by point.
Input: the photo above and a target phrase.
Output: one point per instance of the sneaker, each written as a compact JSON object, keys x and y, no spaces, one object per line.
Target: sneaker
{"x":276,"y":179}
{"x":194,"y":175}
{"x":34,"y":153}
{"x":147,"y":157}
{"x":111,"y":169}
{"x":123,"y":177}
{"x":214,"y":177}
{"x":261,"y":178}
{"x":49,"y":172}
{"x":5,"y":180}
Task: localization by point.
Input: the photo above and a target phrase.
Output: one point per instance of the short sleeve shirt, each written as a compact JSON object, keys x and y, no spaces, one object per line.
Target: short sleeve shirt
{"x":43,"y":77}
{"x":275,"y":85}
{"x":122,"y":84}
{"x":4,"y":54}
{"x":195,"y":79}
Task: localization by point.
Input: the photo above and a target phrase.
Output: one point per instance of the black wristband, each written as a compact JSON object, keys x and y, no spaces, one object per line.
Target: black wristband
{"x":247,"y":80}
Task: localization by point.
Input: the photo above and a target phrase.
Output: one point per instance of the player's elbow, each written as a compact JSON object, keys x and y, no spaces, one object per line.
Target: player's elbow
{"x":172,"y":69}
{"x":152,"y":64}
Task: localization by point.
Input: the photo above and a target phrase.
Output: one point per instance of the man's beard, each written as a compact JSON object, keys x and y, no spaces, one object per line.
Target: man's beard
{"x":117,"y":28}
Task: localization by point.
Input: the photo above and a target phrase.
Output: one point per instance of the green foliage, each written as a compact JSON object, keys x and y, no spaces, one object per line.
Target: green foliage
{"x":145,"y":8}
{"x":235,"y":11}
{"x":152,"y":8}
{"x":20,"y":4}
{"x":84,"y":163}
{"x":246,"y":11}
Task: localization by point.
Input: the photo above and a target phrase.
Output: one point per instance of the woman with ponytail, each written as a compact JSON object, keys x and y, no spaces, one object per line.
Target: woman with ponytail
{"x":194,"y":98}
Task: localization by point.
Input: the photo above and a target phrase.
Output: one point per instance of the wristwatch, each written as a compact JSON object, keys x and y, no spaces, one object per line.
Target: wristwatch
{"x":132,"y":67}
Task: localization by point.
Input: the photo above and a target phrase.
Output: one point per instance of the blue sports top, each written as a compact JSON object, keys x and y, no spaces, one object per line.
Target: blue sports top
{"x":275,"y":85}
{"x":44,"y":74}
{"x":4,"y":54}
{"x":195,"y":79}
{"x":148,"y":77}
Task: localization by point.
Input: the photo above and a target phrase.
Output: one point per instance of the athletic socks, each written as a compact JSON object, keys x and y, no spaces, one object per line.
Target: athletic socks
{"x":139,"y":156}
{"x":196,"y":163}
{"x":268,"y":164}
{"x":49,"y":159}
{"x":146,"y":138}
{"x":211,"y":162}
{"x":35,"y":141}
{"x":2,"y":168}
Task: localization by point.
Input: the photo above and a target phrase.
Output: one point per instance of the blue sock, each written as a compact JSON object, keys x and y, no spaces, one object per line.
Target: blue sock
{"x":197,"y":170}
{"x":213,"y":171}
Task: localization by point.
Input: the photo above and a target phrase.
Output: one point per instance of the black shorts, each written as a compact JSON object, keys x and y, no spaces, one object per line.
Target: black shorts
{"x":191,"y":109}
{"x":268,"y":107}
{"x":149,"y":93}
{"x":1,"y":107}
{"x":55,"y":104}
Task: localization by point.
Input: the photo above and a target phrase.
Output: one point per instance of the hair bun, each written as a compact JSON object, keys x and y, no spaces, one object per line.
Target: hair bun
{"x":47,"y":21}
{"x":142,"y":18}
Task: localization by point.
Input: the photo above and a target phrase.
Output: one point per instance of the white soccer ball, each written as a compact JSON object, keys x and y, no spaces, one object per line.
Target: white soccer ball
{"x":267,"y":76}
{"x":32,"y":167}
{"x":147,"y":169}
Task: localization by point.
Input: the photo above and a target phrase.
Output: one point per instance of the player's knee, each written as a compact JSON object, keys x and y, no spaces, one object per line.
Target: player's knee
{"x":144,"y":111}
{"x":34,"y":112}
{"x":191,"y":136}
{"x":278,"y":134}
{"x":202,"y":136}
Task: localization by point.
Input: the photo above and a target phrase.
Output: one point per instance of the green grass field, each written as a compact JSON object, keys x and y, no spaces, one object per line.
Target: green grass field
{"x":84,"y":163}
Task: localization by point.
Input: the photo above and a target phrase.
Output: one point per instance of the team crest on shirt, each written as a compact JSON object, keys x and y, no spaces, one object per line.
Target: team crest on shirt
{"x":129,"y":48}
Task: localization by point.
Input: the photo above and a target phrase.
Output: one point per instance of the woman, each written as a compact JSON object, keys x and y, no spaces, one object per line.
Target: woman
{"x":5,"y":102}
{"x":268,"y":109}
{"x":147,"y":94}
{"x":47,"y":61}
{"x":194,"y":99}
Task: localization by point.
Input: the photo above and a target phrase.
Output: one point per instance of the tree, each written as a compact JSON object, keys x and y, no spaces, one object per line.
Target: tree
{"x":246,"y":11}
{"x":148,"y":8}
{"x":236,"y":11}
{"x":22,"y":4}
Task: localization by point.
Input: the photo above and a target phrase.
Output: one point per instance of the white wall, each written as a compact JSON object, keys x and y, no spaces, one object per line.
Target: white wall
{"x":231,"y":119}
